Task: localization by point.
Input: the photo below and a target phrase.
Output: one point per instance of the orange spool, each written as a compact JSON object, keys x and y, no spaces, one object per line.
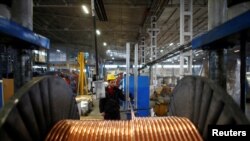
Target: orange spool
{"x":138,"y":129}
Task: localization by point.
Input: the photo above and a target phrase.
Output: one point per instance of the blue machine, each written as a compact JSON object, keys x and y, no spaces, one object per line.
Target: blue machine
{"x":225,"y":30}
{"x":18,"y":39}
{"x":143,"y":109}
{"x":17,"y":33}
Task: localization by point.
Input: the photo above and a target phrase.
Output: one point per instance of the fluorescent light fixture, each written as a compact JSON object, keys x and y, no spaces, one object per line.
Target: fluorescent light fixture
{"x":58,"y":50}
{"x":36,"y":51}
{"x":104,"y":44}
{"x":43,"y":53}
{"x":111,"y":66}
{"x":85,"y":9}
{"x":98,"y":32}
{"x":171,"y":44}
{"x":237,"y":50}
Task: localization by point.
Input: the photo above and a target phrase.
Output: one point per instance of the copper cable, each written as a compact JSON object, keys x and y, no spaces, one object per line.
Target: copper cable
{"x":138,"y":129}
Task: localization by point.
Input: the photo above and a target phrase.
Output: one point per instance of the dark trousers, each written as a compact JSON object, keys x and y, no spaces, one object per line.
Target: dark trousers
{"x":112,"y":116}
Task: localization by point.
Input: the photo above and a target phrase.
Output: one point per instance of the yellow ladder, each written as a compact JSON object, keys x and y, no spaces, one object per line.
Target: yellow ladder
{"x":82,"y":81}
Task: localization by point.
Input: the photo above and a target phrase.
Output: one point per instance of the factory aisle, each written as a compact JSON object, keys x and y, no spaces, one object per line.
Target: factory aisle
{"x":94,"y":114}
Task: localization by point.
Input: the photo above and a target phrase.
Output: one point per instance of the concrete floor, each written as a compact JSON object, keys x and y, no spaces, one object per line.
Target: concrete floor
{"x":94,"y":114}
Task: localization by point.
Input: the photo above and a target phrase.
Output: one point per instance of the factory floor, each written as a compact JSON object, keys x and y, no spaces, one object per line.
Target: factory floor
{"x":96,"y":115}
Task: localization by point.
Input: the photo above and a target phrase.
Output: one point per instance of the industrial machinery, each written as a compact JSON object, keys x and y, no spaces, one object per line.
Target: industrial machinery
{"x":82,"y":80}
{"x":36,"y":108}
{"x":39,"y":110}
{"x":84,"y":100}
{"x":16,"y":45}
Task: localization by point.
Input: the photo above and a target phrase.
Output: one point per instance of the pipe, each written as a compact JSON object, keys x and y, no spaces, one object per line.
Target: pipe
{"x":139,"y":129}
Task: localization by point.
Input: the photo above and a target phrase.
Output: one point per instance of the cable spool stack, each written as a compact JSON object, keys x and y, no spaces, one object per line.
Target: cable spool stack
{"x":138,"y":129}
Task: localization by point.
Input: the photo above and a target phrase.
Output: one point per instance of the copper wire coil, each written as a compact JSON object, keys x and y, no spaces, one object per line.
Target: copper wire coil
{"x":138,"y":129}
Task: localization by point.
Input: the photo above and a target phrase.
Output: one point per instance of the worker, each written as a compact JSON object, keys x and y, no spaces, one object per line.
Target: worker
{"x":109,"y":106}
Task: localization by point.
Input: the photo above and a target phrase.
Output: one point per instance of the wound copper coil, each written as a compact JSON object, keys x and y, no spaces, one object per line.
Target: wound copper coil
{"x":137,"y":129}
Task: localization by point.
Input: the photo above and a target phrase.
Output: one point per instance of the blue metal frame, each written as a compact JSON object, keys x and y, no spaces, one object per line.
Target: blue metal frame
{"x":15,"y":30}
{"x":237,"y":24}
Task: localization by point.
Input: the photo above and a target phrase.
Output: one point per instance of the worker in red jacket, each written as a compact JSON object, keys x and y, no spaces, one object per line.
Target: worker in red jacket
{"x":109,"y":106}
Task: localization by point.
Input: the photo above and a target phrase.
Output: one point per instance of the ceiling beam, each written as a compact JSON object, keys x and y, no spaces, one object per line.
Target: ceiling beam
{"x":107,"y":5}
{"x":84,"y":30}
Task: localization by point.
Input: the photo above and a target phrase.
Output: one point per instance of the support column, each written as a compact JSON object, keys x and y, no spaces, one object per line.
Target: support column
{"x":4,"y":10}
{"x":186,"y":34}
{"x":217,"y":66}
{"x":127,"y":73}
{"x":22,"y":13}
{"x":95,"y":39}
{"x":142,"y":48}
{"x":217,"y":14}
{"x":153,"y":32}
{"x":136,"y":76}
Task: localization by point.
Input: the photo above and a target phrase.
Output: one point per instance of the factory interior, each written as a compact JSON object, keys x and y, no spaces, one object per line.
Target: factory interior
{"x":123,"y":70}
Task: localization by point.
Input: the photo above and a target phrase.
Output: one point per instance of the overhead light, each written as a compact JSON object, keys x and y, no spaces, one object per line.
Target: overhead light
{"x":104,"y":44}
{"x":196,"y":54}
{"x":98,"y":32}
{"x":236,"y":50}
{"x":36,"y":51}
{"x":113,"y":58}
{"x":171,"y":44}
{"x":108,"y":51}
{"x":58,"y":50}
{"x":85,"y":9}
{"x":161,"y":50}
{"x":111,"y":55}
{"x":204,"y":58}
